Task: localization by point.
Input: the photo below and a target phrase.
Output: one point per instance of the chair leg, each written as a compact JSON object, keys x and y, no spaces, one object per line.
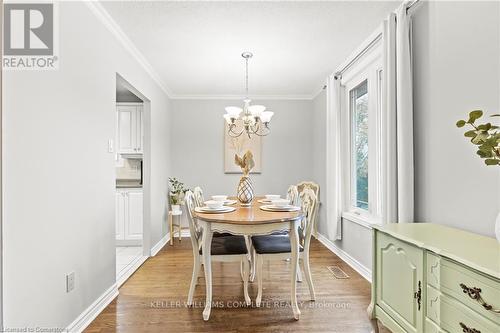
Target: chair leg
{"x":253,"y":261}
{"x":299,"y":274}
{"x":307,"y":271}
{"x":194,"y":279}
{"x":246,"y":268}
{"x":242,"y":270}
{"x":260,"y":262}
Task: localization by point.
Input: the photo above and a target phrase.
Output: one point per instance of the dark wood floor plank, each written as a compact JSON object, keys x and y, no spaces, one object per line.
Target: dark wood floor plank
{"x":153,"y":299}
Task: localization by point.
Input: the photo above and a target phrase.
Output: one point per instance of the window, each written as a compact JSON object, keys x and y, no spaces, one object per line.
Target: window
{"x":361,"y":114}
{"x":359,"y":145}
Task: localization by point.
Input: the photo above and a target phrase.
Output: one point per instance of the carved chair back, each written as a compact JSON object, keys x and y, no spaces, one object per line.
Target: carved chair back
{"x":194,"y":228}
{"x":199,"y":199}
{"x":292,"y":195}
{"x":309,"y":203}
{"x":308,"y":184}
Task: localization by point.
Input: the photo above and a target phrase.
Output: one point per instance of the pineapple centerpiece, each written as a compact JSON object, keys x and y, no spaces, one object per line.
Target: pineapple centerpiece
{"x":245,"y":186}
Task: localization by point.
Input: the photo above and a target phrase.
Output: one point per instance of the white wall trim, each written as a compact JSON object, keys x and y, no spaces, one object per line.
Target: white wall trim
{"x":346,"y":257}
{"x":241,"y":97}
{"x":101,"y":13}
{"x":131,"y":270}
{"x":164,"y":241}
{"x":89,"y":314}
{"x":161,"y":243}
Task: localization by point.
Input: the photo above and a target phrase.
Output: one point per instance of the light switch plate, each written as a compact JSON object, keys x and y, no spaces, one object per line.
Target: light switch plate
{"x":110,"y":146}
{"x":70,"y":282}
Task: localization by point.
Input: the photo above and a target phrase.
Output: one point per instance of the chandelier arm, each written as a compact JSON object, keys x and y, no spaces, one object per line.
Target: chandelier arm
{"x":262,"y":130}
{"x":232,"y":133}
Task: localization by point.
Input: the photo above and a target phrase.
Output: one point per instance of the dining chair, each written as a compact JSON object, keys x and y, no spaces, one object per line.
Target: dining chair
{"x":292,"y":195}
{"x":278,"y":247}
{"x":309,"y":184}
{"x":228,"y":248}
{"x":199,"y":199}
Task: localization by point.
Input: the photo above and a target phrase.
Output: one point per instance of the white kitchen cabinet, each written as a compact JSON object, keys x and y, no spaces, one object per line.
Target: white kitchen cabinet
{"x":120,"y":215}
{"x":134,"y":223}
{"x":129,"y":128}
{"x":129,"y":216}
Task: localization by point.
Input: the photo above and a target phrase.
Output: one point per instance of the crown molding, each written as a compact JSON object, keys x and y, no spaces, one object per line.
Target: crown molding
{"x":101,"y":13}
{"x":240,"y":97}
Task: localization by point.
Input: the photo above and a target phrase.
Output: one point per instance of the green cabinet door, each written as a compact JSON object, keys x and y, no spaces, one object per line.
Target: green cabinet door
{"x":399,"y":281}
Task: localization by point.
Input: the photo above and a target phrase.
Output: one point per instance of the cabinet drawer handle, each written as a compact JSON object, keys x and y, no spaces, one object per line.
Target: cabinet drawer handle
{"x":475,"y":293}
{"x":418,"y":295}
{"x":466,"y":329}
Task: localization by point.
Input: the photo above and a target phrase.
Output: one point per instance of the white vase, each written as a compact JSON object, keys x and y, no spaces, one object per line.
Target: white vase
{"x":497,"y":227}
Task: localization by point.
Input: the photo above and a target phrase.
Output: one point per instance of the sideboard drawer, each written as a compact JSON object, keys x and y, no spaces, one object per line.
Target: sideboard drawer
{"x":465,"y":284}
{"x":455,"y":317}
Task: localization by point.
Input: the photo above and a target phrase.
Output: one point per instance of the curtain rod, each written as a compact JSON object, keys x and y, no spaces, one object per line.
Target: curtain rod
{"x":411,"y":5}
{"x":338,"y":74}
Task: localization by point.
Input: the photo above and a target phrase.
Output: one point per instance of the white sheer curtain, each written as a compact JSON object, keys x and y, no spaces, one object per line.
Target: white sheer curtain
{"x":333,"y":161}
{"x":398,"y":201}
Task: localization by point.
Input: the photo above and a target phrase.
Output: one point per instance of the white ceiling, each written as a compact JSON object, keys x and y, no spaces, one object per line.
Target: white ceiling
{"x":195,"y":47}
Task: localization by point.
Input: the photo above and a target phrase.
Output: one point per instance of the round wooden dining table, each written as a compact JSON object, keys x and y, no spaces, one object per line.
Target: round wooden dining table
{"x":249,"y":221}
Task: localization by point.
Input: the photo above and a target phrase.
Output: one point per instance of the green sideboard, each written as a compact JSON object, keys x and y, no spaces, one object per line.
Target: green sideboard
{"x":432,"y":278}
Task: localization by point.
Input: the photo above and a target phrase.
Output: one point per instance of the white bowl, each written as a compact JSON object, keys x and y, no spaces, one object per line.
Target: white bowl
{"x":280,"y":202}
{"x":273,"y":196}
{"x":219,"y":197}
{"x":214,"y":204}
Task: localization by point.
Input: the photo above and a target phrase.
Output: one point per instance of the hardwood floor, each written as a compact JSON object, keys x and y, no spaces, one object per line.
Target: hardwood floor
{"x":153,"y":299}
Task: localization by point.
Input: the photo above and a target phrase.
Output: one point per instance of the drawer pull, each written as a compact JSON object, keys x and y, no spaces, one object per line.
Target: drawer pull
{"x":418,"y":295}
{"x":475,"y":293}
{"x":466,"y":329}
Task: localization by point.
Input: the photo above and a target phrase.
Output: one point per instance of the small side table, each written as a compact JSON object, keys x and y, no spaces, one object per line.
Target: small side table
{"x":177,"y":215}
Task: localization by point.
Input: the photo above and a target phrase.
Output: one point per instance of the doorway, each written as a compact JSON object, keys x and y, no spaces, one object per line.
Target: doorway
{"x":131,"y":179}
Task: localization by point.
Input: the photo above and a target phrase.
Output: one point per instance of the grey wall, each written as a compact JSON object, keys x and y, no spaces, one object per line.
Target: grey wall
{"x":198,"y":146}
{"x":59,"y":188}
{"x":456,"y":66}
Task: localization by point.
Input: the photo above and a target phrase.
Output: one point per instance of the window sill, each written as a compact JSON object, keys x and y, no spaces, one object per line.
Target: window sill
{"x":362,"y":220}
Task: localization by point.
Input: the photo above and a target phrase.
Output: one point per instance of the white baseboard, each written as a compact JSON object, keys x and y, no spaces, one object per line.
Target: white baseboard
{"x":356,"y":265}
{"x":130,"y":270}
{"x":164,"y":241}
{"x":160,"y":244}
{"x":87,"y":316}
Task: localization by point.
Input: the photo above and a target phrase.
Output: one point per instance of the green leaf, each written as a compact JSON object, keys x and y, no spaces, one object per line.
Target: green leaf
{"x":491,"y":161}
{"x":475,"y":115}
{"x":461,"y":123}
{"x":485,"y":127}
{"x":495,"y":115}
{"x":470,"y":134}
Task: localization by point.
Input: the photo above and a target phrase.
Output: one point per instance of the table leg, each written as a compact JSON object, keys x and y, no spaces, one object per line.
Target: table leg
{"x":207,"y":263}
{"x":294,"y":242}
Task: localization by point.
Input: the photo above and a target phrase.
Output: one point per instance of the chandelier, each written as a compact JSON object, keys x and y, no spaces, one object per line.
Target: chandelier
{"x":255,"y":119}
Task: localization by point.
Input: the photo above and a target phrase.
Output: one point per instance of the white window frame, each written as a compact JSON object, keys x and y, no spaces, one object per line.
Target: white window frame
{"x":368,"y":67}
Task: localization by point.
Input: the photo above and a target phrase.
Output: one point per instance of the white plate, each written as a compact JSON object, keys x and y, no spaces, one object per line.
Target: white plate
{"x":223,"y":209}
{"x":273,"y":208}
{"x":264,"y":201}
{"x":230,"y":202}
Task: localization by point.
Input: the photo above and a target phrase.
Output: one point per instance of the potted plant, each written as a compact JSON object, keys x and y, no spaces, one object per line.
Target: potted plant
{"x":487,"y":139}
{"x":176,"y":194}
